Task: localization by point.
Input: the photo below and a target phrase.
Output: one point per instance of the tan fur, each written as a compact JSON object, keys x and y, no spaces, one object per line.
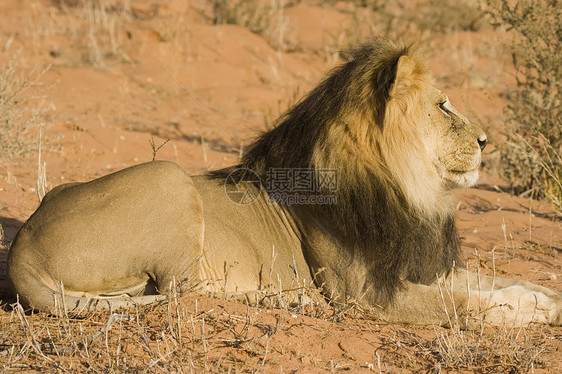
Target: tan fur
{"x":398,"y":147}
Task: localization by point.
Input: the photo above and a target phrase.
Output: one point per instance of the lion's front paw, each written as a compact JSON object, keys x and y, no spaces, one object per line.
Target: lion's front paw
{"x":519,"y":306}
{"x":556,"y":317}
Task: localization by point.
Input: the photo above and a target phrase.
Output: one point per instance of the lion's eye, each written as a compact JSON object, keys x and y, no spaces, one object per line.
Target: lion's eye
{"x":444,"y":108}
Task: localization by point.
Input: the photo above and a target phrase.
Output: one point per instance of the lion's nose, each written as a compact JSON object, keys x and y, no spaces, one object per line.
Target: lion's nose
{"x":482,"y":141}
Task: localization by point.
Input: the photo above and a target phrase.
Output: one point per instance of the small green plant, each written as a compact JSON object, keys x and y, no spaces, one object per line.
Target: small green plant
{"x":531,"y":158}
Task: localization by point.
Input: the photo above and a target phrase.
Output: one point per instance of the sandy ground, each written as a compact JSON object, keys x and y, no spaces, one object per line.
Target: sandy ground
{"x":162,"y":70}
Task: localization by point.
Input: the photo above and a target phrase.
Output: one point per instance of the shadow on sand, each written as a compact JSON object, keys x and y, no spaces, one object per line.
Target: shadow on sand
{"x":10,"y":227}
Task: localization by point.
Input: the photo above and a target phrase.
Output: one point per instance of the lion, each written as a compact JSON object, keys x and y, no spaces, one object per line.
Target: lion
{"x":352,"y":191}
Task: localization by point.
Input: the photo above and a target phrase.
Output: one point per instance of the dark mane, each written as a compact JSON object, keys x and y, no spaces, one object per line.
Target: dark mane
{"x":291,"y":142}
{"x":372,"y":217}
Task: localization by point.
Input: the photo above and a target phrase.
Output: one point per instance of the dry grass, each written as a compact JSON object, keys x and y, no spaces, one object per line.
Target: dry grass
{"x":176,"y":46}
{"x":22,"y":108}
{"x":531,"y":158}
{"x":97,"y":28}
{"x":422,"y":22}
{"x":431,"y":18}
{"x":505,"y":348}
{"x":502,"y":349}
{"x":178,"y":336}
{"x":102,"y":30}
{"x":197,"y":333}
{"x":265,"y":18}
{"x":271,"y":116}
{"x":201,"y":334}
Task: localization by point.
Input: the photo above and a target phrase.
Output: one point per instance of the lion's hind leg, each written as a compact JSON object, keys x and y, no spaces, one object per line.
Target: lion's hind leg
{"x":112,"y":236}
{"x":34,"y":293}
{"x":63,"y":304}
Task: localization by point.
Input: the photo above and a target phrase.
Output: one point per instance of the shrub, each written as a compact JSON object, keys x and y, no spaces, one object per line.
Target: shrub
{"x":531,"y":158}
{"x":21,"y":110}
{"x":265,"y":18}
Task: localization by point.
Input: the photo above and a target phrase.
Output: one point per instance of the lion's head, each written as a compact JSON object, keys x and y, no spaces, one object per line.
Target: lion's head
{"x":452,"y":140}
{"x":426,"y":138}
{"x":392,"y":121}
{"x":379,"y":113}
{"x":398,"y":146}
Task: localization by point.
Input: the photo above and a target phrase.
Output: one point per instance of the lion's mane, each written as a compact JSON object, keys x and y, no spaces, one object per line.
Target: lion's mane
{"x":361,"y":121}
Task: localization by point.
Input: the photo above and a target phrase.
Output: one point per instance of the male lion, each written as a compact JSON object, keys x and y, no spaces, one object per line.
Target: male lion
{"x":361,"y":171}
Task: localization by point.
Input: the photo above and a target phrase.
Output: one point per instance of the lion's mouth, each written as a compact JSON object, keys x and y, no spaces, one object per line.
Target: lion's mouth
{"x":461,"y":178}
{"x":461,"y":172}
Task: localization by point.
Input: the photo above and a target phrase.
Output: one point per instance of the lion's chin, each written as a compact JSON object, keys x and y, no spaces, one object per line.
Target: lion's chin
{"x":458,"y":179}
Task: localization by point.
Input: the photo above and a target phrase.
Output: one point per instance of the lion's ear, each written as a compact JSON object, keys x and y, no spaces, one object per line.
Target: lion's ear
{"x":405,"y":68}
